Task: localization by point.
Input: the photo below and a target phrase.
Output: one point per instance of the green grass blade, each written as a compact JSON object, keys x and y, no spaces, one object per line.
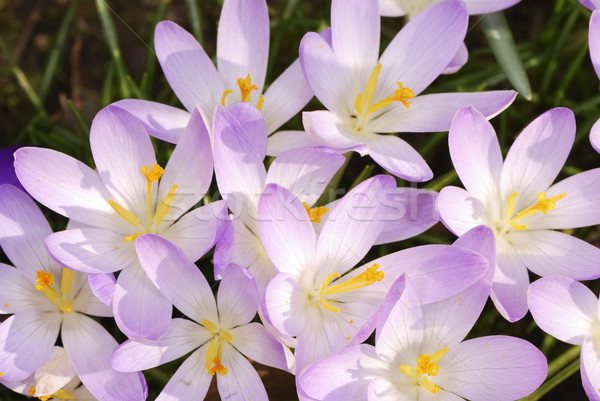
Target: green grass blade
{"x":83,"y":125}
{"x":195,"y":19}
{"x":151,"y":62}
{"x":499,"y":36}
{"x":107,"y":85}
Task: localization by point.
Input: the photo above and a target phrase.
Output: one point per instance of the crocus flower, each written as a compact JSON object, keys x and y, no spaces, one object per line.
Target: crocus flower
{"x":221,"y":333}
{"x":568,"y":310}
{"x":127,"y":196}
{"x":242,"y":53}
{"x":419,"y":355}
{"x":517,"y":200}
{"x":366,"y":94}
{"x":410,"y":8}
{"x":594,"y":39}
{"x":45,"y":300}
{"x":315,"y":296}
{"x":54,"y":380}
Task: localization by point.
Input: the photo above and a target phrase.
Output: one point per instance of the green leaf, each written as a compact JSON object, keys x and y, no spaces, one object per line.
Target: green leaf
{"x":501,"y":41}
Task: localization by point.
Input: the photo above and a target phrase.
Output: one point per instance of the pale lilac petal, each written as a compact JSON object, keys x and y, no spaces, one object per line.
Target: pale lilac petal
{"x":255,"y":342}
{"x":286,"y":96}
{"x":91,"y":250}
{"x":283,"y":304}
{"x":23,"y":228}
{"x":66,"y":186}
{"x":55,"y":373}
{"x":190,"y":167}
{"x":190,"y":72}
{"x":594,"y":40}
{"x":344,"y":375}
{"x":17,"y":291}
{"x":518,"y":368}
{"x":237,"y":298}
{"x":352,"y":227}
{"x":26,"y":340}
{"x":579,"y":207}
{"x":7,"y":167}
{"x":548,"y":253}
{"x":241,"y":381}
{"x":382,"y":389}
{"x":177,"y":277}
{"x":537,"y":156}
{"x":89,"y":347}
{"x":181,"y":337}
{"x":327,"y":129}
{"x":160,"y":120}
{"x":103,"y":286}
{"x":239,"y":168}
{"x":595,"y":136}
{"x":434,"y":112}
{"x":424,"y":47}
{"x":485,"y":6}
{"x":243,"y":42}
{"x":140,"y":310}
{"x":86,"y":301}
{"x":283,"y":141}
{"x":476,"y":153}
{"x":390,"y":8}
{"x":313,"y":343}
{"x":398,"y":157}
{"x":458,"y":61}
{"x":590,"y":368}
{"x":305,"y":172}
{"x":355,"y":28}
{"x":563,"y":308}
{"x":322,"y":71}
{"x":285,"y":230}
{"x":481,"y":240}
{"x":121,"y":147}
{"x":408,"y":212}
{"x":509,"y":290}
{"x":591,"y":4}
{"x":196,"y":232}
{"x":190,"y":381}
{"x":459,"y":210}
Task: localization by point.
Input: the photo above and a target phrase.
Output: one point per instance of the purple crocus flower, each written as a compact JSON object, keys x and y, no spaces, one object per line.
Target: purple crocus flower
{"x":517,"y":200}
{"x":419,"y":355}
{"x":568,"y":310}
{"x":366,"y":94}
{"x":128,"y":195}
{"x":242,"y":53}
{"x":316,"y":296}
{"x":45,"y":300}
{"x":221,"y":333}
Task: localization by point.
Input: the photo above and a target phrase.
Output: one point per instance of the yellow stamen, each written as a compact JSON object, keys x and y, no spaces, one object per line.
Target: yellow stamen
{"x":133,"y":237}
{"x":367,"y":277}
{"x":215,"y":348}
{"x":261,"y":101}
{"x":65,"y":282}
{"x":426,"y":365}
{"x":60,"y":394}
{"x":31,"y":390}
{"x":210,"y":326}
{"x":1,"y":374}
{"x":363,"y":105}
{"x":154,"y":174}
{"x":429,"y":385}
{"x":315,"y":213}
{"x":246,"y":87}
{"x":124,"y":213}
{"x":218,"y":368}
{"x":164,"y":206}
{"x":225,"y":93}
{"x":43,"y":280}
{"x":542,"y":205}
{"x":44,"y":284}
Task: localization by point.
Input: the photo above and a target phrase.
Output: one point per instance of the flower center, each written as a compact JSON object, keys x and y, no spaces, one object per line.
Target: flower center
{"x":368,"y":277}
{"x":60,"y":395}
{"x":152,"y":223}
{"x":44,"y":283}
{"x":426,"y":366}
{"x":315,"y":213}
{"x":215,"y":348}
{"x":246,"y":88}
{"x":542,"y":205}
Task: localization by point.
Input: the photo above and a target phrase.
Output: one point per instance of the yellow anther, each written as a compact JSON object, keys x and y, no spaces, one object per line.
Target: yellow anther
{"x":154,"y":174}
{"x":225,"y":93}
{"x":542,"y":205}
{"x":367,"y":277}
{"x":124,"y":213}
{"x":133,"y":237}
{"x":65,"y":282}
{"x":429,"y":385}
{"x":1,"y":374}
{"x":210,"y":326}
{"x":260,"y":103}
{"x":363,"y":105}
{"x":31,"y":390}
{"x":315,"y":213}
{"x":218,"y":368}
{"x":246,"y":87}
{"x":43,"y":280}
{"x":426,"y":365}
{"x":215,"y":348}
{"x":164,"y":206}
{"x":510,"y":208}
{"x":407,"y":370}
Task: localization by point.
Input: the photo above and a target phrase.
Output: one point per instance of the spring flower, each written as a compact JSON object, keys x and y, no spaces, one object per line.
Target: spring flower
{"x":45,"y":300}
{"x":419,"y":355}
{"x":242,"y":53}
{"x":316,"y":296}
{"x":128,"y":195}
{"x":366,"y":94}
{"x":568,"y":310}
{"x":517,"y":200}
{"x":221,"y":333}
{"x":594,"y":39}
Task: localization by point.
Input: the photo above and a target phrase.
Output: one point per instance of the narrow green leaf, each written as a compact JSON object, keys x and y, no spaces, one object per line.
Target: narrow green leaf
{"x":83,"y":125}
{"x":106,"y":95}
{"x":441,"y":182}
{"x":364,"y":174}
{"x":151,"y":62}
{"x":57,"y":50}
{"x":554,"y":381}
{"x":195,"y":19}
{"x":332,"y":188}
{"x":113,"y":44}
{"x":501,"y":41}
{"x":563,"y":360}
